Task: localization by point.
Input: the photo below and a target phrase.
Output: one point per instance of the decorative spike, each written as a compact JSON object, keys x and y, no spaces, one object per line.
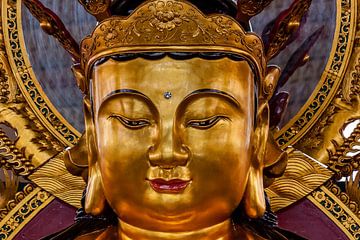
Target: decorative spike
{"x":52,"y":25}
{"x":100,"y":9}
{"x":299,"y":58}
{"x":265,"y":35}
{"x":286,"y":27}
{"x":278,"y":104}
{"x":249,"y":8}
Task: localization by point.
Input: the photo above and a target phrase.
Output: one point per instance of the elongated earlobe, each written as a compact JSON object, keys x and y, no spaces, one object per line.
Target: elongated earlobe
{"x":254,"y":197}
{"x":95,"y":200}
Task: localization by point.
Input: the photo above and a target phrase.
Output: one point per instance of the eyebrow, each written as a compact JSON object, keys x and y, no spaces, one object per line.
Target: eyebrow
{"x":130,"y":91}
{"x":214,"y":91}
{"x":194,"y":93}
{"x":127,"y":91}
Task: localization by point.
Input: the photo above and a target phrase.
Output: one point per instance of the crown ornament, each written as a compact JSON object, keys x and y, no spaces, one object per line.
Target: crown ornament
{"x":179,"y":26}
{"x":171,"y":26}
{"x":100,"y":9}
{"x":249,"y":8}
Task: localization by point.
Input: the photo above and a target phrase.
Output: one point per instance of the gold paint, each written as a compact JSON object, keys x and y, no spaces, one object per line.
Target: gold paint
{"x":56,"y":179}
{"x":22,"y":209}
{"x":45,"y":201}
{"x":344,"y":197}
{"x":249,"y":8}
{"x":186,"y":30}
{"x":100,"y":9}
{"x":295,"y":129}
{"x":352,"y":188}
{"x":40,"y":105}
{"x":339,"y":59}
{"x":16,"y":200}
{"x":294,"y":25}
{"x":306,"y":58}
{"x":325,"y":142}
{"x":221,"y":231}
{"x":337,"y":211}
{"x":8,"y":188}
{"x":172,"y":145}
{"x":303,"y":175}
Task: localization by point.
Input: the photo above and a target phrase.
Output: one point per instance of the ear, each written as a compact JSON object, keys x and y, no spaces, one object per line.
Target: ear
{"x":95,"y":199}
{"x":270,"y":82}
{"x":254,"y":197}
{"x":76,"y":158}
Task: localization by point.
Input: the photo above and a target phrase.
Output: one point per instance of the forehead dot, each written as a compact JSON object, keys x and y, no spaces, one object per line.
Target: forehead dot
{"x":167,"y":95}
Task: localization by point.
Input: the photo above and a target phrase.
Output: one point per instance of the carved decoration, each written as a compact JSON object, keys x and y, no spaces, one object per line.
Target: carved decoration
{"x":169,"y":26}
{"x":98,"y":8}
{"x":8,"y":89}
{"x":8,"y":188}
{"x":344,"y":197}
{"x":286,"y":26}
{"x":303,"y":175}
{"x":55,"y":178}
{"x":325,"y":141}
{"x":52,"y":25}
{"x":12,"y":158}
{"x":25,"y":78}
{"x":34,"y":144}
{"x":342,"y":216}
{"x":18,"y":198}
{"x":292,"y":132}
{"x":340,"y":160}
{"x":250,"y":8}
{"x":352,"y":188}
{"x":329,"y":83}
{"x":20,"y":210}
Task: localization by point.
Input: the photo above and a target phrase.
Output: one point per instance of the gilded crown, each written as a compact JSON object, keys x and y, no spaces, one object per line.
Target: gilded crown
{"x":179,"y":26}
{"x":171,"y":26}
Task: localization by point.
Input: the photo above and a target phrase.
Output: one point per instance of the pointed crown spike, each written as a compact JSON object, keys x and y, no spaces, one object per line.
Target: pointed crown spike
{"x":171,"y":26}
{"x":53,"y":25}
{"x":100,"y":9}
{"x":249,"y":8}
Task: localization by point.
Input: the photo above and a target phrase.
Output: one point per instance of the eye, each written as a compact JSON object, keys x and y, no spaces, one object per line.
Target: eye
{"x":130,"y":123}
{"x":206,"y":123}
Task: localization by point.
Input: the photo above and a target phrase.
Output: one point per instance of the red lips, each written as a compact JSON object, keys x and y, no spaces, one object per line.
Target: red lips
{"x":171,"y":186}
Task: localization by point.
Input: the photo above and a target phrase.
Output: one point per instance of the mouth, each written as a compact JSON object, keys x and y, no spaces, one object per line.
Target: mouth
{"x":168,"y":186}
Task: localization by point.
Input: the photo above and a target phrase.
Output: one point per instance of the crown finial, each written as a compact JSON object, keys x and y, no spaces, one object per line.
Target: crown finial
{"x":171,"y":26}
{"x":53,"y":26}
{"x":249,"y":8}
{"x":100,"y":9}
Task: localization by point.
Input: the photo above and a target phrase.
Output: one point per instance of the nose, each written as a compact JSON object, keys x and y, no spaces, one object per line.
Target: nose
{"x":168,"y":151}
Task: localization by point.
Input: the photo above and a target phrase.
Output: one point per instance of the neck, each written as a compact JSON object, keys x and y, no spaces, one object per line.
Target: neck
{"x":221,"y":231}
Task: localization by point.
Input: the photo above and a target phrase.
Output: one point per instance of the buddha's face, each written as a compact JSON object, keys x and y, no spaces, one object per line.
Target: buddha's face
{"x":174,"y":139}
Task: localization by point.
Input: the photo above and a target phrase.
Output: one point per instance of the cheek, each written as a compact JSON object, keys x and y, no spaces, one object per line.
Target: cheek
{"x":221,"y":159}
{"x":122,"y":153}
{"x":227,"y":142}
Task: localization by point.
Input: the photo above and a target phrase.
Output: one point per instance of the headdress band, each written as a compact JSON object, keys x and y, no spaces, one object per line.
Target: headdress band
{"x":171,"y":26}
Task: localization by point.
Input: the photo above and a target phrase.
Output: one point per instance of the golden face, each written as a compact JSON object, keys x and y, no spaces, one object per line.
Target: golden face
{"x":173,"y":139}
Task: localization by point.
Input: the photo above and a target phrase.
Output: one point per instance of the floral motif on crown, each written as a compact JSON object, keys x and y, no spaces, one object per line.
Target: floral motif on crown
{"x":171,"y":25}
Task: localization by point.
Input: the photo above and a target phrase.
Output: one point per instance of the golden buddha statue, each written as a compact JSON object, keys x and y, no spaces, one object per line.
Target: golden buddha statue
{"x":177,"y":142}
